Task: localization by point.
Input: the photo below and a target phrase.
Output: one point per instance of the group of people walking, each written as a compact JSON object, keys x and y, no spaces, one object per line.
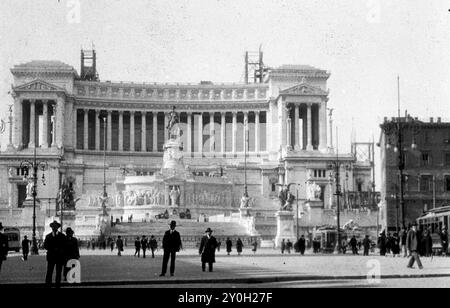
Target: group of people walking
{"x":144,"y":244}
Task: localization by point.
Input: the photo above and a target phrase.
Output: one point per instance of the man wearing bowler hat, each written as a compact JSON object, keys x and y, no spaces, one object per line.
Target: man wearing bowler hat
{"x":171,"y":245}
{"x":207,"y":250}
{"x":55,"y":243}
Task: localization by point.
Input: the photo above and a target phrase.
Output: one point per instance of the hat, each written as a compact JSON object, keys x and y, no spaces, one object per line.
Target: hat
{"x":208,"y":230}
{"x":55,"y":223}
{"x":173,"y":223}
{"x":69,"y":231}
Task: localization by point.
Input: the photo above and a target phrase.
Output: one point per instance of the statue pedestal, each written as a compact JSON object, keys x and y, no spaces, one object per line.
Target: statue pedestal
{"x":311,"y":204}
{"x":244,"y":212}
{"x":173,"y":165}
{"x":285,"y":227}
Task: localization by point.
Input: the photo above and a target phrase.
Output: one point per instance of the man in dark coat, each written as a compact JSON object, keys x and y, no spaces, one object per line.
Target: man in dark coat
{"x":403,"y":234}
{"x":119,"y":245}
{"x":71,"y":251}
{"x":25,"y":248}
{"x":144,"y":245}
{"x":366,"y":245}
{"x":137,"y":245}
{"x":55,"y":243}
{"x":153,"y":245}
{"x":239,"y":246}
{"x":207,"y":250}
{"x":382,"y":243}
{"x":3,"y":246}
{"x":353,"y":244}
{"x":412,"y":243}
{"x":283,"y":246}
{"x":229,"y":244}
{"x":444,"y":240}
{"x":171,"y":245}
{"x":302,"y":245}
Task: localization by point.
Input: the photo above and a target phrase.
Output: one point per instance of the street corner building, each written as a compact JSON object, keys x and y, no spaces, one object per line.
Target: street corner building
{"x":108,"y":142}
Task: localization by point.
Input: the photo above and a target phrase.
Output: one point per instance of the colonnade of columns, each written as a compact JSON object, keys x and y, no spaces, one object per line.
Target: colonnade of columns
{"x":303,"y":119}
{"x":28,"y":132}
{"x":138,"y":129}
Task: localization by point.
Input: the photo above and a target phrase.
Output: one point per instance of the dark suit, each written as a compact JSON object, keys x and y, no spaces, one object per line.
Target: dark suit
{"x":144,"y":245}
{"x":71,"y":251}
{"x":25,"y":249}
{"x":171,"y":245}
{"x":208,"y":251}
{"x":412,"y":243}
{"x":55,"y":245}
{"x":3,"y":248}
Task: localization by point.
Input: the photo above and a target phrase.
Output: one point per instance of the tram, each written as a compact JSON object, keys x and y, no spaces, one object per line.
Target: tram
{"x":13,"y":235}
{"x":434,"y":220}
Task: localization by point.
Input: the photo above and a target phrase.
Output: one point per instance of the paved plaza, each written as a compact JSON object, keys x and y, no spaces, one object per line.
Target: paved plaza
{"x":266,"y":268}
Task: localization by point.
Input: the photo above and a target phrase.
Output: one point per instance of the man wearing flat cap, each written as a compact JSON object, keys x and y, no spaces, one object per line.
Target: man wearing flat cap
{"x":55,"y":243}
{"x":412,"y":243}
{"x":207,"y":250}
{"x":171,"y":245}
{"x":3,"y":246}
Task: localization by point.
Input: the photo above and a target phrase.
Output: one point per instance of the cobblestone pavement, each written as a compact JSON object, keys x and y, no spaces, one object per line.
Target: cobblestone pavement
{"x":267,"y":265}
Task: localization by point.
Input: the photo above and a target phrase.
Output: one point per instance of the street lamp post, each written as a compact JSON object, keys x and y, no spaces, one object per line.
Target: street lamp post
{"x":35,"y":166}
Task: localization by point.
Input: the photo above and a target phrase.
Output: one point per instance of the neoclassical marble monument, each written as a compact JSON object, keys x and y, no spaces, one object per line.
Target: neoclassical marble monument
{"x":72,"y":123}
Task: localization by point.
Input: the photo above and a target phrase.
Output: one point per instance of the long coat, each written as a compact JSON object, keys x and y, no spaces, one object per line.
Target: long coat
{"x":239,"y":245}
{"x":412,"y":241}
{"x":208,"y":249}
{"x":3,"y":246}
{"x":301,"y":244}
{"x":55,"y":246}
{"x":71,"y":249}
{"x":229,"y":244}
{"x":171,"y":241}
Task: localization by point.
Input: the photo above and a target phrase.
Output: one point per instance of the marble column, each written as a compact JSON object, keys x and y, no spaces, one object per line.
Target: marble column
{"x":222,"y":132}
{"x":18,"y":122}
{"x":166,"y":121}
{"x":97,"y":130}
{"x":189,"y":132}
{"x":282,"y":119}
{"x":86,"y":130}
{"x":109,"y":131}
{"x":75,"y":128}
{"x":120,"y":130}
{"x":45,"y":124}
{"x":211,"y":132}
{"x":234,"y":132}
{"x":322,"y":117}
{"x":309,"y":146}
{"x":257,"y":132}
{"x":245,"y":133}
{"x":155,"y":132}
{"x":59,"y":132}
{"x":297,"y":128}
{"x":288,"y":132}
{"x":200,"y":133}
{"x":132,"y":131}
{"x":143,"y":131}
{"x":31,"y":143}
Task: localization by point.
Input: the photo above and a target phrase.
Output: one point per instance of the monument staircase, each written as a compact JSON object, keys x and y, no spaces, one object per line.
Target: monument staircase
{"x":191,"y":231}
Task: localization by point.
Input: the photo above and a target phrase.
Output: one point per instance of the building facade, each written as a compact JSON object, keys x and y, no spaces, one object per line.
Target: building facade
{"x":426,"y":171}
{"x":262,"y":134}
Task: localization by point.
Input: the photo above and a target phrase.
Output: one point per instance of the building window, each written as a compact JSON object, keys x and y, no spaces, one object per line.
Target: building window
{"x":426,"y":183}
{"x":447,"y":183}
{"x":273,"y":187}
{"x":447,"y":159}
{"x":426,"y":159}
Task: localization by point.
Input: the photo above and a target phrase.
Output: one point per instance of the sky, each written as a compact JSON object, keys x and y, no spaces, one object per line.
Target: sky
{"x":364,"y":44}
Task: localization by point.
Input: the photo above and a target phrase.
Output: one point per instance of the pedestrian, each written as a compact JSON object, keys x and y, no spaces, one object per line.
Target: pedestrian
{"x":444,"y":240}
{"x":88,"y":244}
{"x":71,"y":250}
{"x":119,"y":245}
{"x":239,"y":246}
{"x":255,"y":246}
{"x":112,"y":245}
{"x":354,"y":245}
{"x":171,"y":245}
{"x":153,"y":245}
{"x":388,"y":243}
{"x":3,"y":246}
{"x":395,"y":245}
{"x":366,"y":245}
{"x":219,"y":243}
{"x":412,"y":243}
{"x":137,"y":246}
{"x":302,"y":245}
{"x":55,"y":243}
{"x":229,"y":244}
{"x":288,"y":246}
{"x":25,"y":248}
{"x":144,"y":245}
{"x":428,"y":243}
{"x":283,"y":246}
{"x":402,"y":236}
{"x":382,"y":243}
{"x":207,"y":250}
{"x":344,"y":246}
